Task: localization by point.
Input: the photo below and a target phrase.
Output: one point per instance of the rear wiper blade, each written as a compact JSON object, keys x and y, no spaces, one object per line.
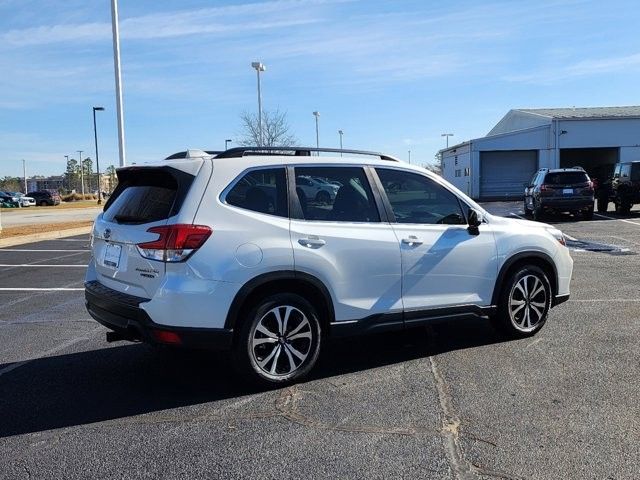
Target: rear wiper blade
{"x":129,"y":219}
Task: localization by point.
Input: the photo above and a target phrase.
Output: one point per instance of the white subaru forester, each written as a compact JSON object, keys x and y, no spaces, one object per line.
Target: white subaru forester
{"x":228,"y":251}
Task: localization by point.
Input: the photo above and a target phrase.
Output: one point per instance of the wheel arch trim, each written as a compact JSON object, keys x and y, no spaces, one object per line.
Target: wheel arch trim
{"x":520,"y":257}
{"x":282,"y":275}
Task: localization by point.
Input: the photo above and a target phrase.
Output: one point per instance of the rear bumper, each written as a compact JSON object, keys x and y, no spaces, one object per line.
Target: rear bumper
{"x":567,"y":203}
{"x":121,"y":313}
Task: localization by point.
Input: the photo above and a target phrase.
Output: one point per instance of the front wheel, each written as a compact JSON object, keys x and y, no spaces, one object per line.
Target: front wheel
{"x":279,"y":342}
{"x":524,"y":302}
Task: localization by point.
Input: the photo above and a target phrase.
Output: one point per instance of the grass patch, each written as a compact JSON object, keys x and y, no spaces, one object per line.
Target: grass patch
{"x":63,"y":205}
{"x":41,"y":228}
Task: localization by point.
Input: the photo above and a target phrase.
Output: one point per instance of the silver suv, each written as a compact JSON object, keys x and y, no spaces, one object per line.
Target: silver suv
{"x":230,"y":251}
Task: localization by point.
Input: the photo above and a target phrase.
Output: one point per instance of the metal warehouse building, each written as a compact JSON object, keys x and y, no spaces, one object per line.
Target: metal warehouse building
{"x":499,"y":165}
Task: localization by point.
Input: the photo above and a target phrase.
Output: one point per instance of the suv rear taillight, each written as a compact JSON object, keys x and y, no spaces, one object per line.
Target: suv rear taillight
{"x":175,"y":243}
{"x":545,"y":188}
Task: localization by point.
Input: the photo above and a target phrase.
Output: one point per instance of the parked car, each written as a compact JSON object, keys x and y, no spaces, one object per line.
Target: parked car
{"x":45,"y":197}
{"x":8,"y":200}
{"x":559,"y":190}
{"x":185,"y":253}
{"x":623,"y":189}
{"x":22,"y":199}
{"x":315,"y":189}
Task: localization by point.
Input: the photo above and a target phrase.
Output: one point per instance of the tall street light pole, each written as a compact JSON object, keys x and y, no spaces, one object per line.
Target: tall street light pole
{"x":95,"y":137}
{"x":409,"y":157}
{"x":226,"y":143}
{"x":81,"y":172}
{"x":260,"y":67}
{"x":66,"y":157}
{"x":317,"y":115}
{"x":447,"y":135}
{"x":24,"y":174}
{"x":116,"y":64}
{"x":340,"y":132}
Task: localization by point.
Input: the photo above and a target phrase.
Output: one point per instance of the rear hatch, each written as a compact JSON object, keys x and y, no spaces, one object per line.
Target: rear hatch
{"x":569,"y":185}
{"x":146,"y":197}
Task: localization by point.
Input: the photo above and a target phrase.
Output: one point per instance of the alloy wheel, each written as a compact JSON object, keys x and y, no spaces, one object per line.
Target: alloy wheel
{"x":281,"y":341}
{"x":528,"y":303}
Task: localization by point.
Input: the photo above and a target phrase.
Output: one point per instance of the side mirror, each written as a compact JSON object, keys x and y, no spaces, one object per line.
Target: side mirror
{"x":475,"y":219}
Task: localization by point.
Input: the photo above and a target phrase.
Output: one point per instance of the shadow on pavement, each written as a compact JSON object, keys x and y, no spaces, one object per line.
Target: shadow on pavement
{"x":133,"y":379}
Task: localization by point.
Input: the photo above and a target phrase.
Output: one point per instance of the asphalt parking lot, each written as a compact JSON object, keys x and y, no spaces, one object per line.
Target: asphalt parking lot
{"x":454,"y":400}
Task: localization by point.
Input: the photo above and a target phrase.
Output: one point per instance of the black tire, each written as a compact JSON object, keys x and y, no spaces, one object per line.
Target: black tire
{"x":515,"y":324}
{"x":603,"y":204}
{"x":276,"y":360}
{"x":537,"y":213}
{"x":625,"y":208}
{"x":588,"y":214}
{"x":527,"y":212}
{"x":43,"y":203}
{"x":323,"y":197}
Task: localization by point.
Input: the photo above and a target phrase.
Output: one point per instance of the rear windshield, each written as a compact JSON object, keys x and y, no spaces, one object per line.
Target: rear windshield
{"x":144,"y":197}
{"x":565,"y":178}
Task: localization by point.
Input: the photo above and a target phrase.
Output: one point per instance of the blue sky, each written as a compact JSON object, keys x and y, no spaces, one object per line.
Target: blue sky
{"x":393,"y":75}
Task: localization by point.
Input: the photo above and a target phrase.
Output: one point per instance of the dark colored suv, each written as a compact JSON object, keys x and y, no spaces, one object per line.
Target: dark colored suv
{"x":559,"y":190}
{"x":44,"y":198}
{"x":623,"y":189}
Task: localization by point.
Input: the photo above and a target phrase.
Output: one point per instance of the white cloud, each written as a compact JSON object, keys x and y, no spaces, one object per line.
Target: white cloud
{"x":582,"y":68}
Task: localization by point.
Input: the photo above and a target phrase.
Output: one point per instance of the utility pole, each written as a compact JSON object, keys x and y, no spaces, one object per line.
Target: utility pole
{"x":340,"y":132}
{"x":24,"y":174}
{"x":226,"y":143}
{"x":95,"y":136}
{"x":66,"y":166}
{"x":116,"y":64}
{"x":81,"y":172}
{"x":447,"y":135}
{"x":260,"y":67}
{"x":317,"y":115}
{"x":409,"y":157}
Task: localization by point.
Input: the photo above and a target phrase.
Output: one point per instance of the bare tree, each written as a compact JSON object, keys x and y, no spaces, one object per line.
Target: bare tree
{"x":276,"y":131}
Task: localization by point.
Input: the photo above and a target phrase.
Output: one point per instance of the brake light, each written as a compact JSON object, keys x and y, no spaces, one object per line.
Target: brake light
{"x":175,"y":243}
{"x":589,"y":186}
{"x":164,"y":336}
{"x":545,"y":188}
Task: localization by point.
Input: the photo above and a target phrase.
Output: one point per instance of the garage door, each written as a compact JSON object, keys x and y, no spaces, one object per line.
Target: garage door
{"x":505,"y":174}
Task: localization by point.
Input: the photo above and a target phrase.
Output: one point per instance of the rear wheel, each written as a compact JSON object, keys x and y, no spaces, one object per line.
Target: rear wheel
{"x":524,"y":302}
{"x":43,"y":203}
{"x":527,"y":211}
{"x":603,"y":203}
{"x":279,"y":342}
{"x":537,"y":212}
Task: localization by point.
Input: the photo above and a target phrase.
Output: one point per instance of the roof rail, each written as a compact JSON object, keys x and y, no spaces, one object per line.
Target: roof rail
{"x":296,"y":151}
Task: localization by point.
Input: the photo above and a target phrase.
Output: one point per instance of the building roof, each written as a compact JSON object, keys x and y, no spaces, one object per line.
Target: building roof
{"x":590,"y":112}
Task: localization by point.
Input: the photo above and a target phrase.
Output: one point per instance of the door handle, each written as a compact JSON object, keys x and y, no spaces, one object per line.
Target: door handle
{"x":412,"y":240}
{"x":312,"y":241}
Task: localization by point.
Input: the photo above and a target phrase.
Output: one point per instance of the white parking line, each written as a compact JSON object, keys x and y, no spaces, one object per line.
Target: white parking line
{"x":613,"y":218}
{"x":34,"y":250}
{"x":34,"y":289}
{"x":38,"y":265}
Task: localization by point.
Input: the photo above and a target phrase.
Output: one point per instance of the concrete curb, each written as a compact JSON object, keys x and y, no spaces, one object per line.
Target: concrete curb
{"x":37,"y":237}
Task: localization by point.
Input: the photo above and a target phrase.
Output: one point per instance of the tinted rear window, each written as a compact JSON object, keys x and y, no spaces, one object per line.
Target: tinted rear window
{"x":635,"y":172}
{"x":565,"y":178}
{"x":145,"y":197}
